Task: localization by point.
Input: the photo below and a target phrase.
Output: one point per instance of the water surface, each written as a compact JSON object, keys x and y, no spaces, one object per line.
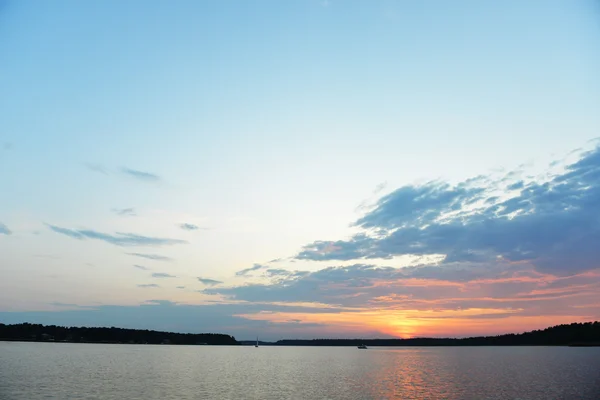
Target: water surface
{"x":63,"y":371}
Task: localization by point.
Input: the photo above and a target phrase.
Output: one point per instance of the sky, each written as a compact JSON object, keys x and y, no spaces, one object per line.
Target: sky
{"x":300,"y":169}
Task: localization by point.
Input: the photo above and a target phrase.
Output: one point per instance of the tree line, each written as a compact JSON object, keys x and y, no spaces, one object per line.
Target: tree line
{"x":575,"y":334}
{"x":36,"y":332}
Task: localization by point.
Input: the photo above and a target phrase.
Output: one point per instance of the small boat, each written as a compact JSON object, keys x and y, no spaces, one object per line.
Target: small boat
{"x":256,"y":345}
{"x":362,"y":346}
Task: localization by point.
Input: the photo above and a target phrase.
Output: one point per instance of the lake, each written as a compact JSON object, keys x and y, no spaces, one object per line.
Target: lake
{"x":64,"y":371}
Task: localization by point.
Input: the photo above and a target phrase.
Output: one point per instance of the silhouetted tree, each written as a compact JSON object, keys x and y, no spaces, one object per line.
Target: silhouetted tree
{"x":561,"y":335}
{"x":37,"y":332}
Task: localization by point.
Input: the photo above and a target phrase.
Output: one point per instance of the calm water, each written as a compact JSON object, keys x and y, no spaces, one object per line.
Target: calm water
{"x":31,"y":371}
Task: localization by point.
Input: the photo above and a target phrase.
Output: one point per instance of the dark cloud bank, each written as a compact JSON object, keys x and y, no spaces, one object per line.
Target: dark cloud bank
{"x":554,"y":225}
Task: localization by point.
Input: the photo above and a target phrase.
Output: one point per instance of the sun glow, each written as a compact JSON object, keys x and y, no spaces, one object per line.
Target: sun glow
{"x":397,"y":323}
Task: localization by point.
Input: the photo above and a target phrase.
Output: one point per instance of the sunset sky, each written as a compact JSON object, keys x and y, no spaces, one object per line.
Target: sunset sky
{"x":300,"y":169}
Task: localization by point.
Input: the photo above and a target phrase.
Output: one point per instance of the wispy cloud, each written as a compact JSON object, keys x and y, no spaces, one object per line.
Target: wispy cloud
{"x":96,"y":168}
{"x":141,"y":267}
{"x":192,"y":227}
{"x":140,"y":175}
{"x":189,"y":227}
{"x":162,"y":275}
{"x":180,"y":287}
{"x":246,"y":271}
{"x":59,"y":304}
{"x":148,"y":285}
{"x":209,"y":282}
{"x":273,"y":272}
{"x":154,"y":257}
{"x":4,"y":229}
{"x":118,"y":239}
{"x":163,"y":315}
{"x":125,"y":212}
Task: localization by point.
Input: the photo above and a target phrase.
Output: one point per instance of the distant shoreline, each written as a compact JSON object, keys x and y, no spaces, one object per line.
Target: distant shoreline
{"x":27,"y":332}
{"x":273,"y":344}
{"x":25,"y":340}
{"x":568,"y":335}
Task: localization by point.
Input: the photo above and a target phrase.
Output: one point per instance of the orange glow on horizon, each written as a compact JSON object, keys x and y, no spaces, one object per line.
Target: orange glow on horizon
{"x":400,"y":323}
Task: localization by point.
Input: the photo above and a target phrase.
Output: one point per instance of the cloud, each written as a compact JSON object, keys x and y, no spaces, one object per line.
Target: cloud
{"x":246,"y":271}
{"x":154,"y":257}
{"x":162,"y":275}
{"x":552,"y":224}
{"x":209,"y":282}
{"x":271,"y":272}
{"x":125,"y":212}
{"x":166,"y":315}
{"x":142,"y":267}
{"x":465,"y":291}
{"x":148,"y":285}
{"x":180,"y":287}
{"x":497,"y":253}
{"x":493,"y":251}
{"x":119,"y":239}
{"x":140,"y":175}
{"x":4,"y":229}
{"x":364,"y":300}
{"x":96,"y":168}
{"x":304,"y":286}
{"x":67,"y":305}
{"x":189,"y":227}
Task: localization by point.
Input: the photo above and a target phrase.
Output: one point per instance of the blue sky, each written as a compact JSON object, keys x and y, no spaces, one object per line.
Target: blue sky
{"x":213,"y":155}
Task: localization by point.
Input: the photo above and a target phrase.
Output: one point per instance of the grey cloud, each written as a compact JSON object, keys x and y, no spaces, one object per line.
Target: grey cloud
{"x":554,"y":225}
{"x":68,"y":305}
{"x":360,"y":246}
{"x":283,"y":273}
{"x":4,"y":229}
{"x":165,"y":315}
{"x":271,"y":272}
{"x":418,"y":205}
{"x":516,"y":186}
{"x":154,"y":257}
{"x":302,"y":286}
{"x":96,"y":168}
{"x":141,"y":267}
{"x":451,"y":287}
{"x":68,"y":232}
{"x":189,"y":227}
{"x":209,"y":282}
{"x":148,"y":285}
{"x":125,"y":212}
{"x":118,"y":239}
{"x":162,"y":275}
{"x":180,"y":287}
{"x":246,"y":271}
{"x":140,"y":175}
